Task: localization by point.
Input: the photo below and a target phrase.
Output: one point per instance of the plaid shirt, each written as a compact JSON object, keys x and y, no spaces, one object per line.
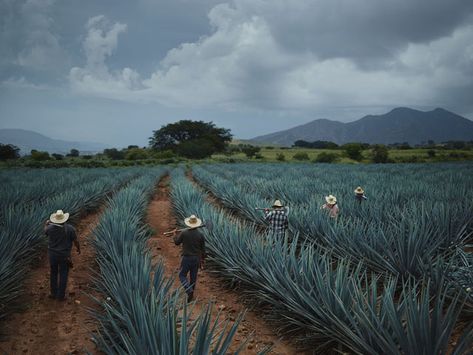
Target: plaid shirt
{"x":277,"y":221}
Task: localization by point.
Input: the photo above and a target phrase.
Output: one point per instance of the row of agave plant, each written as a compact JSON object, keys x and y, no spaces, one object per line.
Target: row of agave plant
{"x":416,"y":218}
{"x":328,"y":301}
{"x":139,"y":311}
{"x":39,"y":194}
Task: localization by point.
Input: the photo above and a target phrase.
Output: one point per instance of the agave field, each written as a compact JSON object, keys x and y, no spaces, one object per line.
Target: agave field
{"x":393,"y":275}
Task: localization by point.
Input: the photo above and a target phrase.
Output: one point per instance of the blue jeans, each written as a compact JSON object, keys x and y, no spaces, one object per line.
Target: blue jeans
{"x":59,"y":266}
{"x":189,"y":264}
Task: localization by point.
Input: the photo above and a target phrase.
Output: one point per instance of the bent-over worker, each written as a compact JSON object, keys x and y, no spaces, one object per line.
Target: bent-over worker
{"x":61,"y":236}
{"x":331,"y":206}
{"x":193,"y":254}
{"x":360,"y":194}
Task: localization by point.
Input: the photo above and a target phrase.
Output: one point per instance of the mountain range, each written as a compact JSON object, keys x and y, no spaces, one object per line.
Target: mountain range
{"x":397,"y":126}
{"x":28,"y":140}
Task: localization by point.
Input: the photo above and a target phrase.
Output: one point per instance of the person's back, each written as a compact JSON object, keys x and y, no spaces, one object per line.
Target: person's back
{"x":278,"y":220}
{"x":193,"y":254}
{"x":193,"y":242}
{"x":60,"y":239}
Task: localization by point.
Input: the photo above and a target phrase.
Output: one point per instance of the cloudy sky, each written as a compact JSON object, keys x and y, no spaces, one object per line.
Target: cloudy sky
{"x":112,"y":71}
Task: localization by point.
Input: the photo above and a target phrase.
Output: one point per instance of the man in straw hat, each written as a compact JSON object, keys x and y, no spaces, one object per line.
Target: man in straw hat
{"x":277,"y":218}
{"x":61,"y":236}
{"x":360,"y":194}
{"x":193,"y":253}
{"x":331,"y":206}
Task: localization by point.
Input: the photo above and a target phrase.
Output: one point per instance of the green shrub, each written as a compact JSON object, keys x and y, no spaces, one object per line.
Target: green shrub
{"x":379,"y":154}
{"x":301,"y":156}
{"x":280,"y":157}
{"x":326,"y":158}
{"x":353,"y":151}
{"x":431,"y":153}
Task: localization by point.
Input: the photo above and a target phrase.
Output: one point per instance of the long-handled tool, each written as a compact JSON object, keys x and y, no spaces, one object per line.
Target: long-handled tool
{"x":207,"y":225}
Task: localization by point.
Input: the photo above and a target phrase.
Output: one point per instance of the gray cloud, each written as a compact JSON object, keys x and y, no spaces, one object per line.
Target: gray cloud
{"x":246,"y":61}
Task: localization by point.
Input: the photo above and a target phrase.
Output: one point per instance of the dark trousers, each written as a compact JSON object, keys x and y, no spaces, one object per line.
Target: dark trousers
{"x":189,"y":265}
{"x":59,"y":267}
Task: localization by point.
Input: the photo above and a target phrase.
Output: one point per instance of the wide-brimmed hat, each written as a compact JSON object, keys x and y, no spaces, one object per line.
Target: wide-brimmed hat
{"x":277,"y":203}
{"x":193,"y":221}
{"x":59,"y":217}
{"x":331,"y":200}
{"x":359,"y":190}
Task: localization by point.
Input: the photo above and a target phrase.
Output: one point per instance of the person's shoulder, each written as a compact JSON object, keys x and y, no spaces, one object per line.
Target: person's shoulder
{"x":69,"y":228}
{"x":49,"y":227}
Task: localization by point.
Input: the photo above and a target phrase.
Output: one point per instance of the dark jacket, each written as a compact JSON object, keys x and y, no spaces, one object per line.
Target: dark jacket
{"x":60,"y":239}
{"x":193,"y":243}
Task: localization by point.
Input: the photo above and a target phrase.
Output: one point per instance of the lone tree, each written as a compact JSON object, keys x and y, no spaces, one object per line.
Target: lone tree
{"x":9,"y":151}
{"x":191,"y":139}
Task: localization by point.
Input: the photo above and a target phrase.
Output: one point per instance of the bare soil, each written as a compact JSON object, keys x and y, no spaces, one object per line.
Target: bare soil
{"x":209,"y":288}
{"x":49,"y":326}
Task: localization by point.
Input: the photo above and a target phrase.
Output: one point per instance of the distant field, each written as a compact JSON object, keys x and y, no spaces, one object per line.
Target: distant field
{"x":270,"y":154}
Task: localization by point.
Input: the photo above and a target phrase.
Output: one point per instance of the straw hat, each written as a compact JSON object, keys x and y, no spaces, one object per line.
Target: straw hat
{"x":277,"y":203}
{"x":193,"y":221}
{"x":59,"y":217}
{"x":359,"y":190}
{"x":331,"y":200}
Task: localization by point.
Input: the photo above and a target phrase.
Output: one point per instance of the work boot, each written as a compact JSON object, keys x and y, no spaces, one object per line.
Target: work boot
{"x":190,"y":297}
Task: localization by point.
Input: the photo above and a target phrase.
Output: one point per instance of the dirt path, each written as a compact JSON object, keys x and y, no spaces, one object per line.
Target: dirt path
{"x":53,"y":327}
{"x":209,"y":288}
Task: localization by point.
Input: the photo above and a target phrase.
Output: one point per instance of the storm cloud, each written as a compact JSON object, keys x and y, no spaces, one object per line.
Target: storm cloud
{"x":280,"y":61}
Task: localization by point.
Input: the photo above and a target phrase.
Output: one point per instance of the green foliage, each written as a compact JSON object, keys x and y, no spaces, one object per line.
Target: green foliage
{"x":379,"y":153}
{"x":301,"y":156}
{"x":431,"y":153}
{"x":163,"y":154}
{"x":9,"y":152}
{"x":57,"y":156}
{"x":326,"y":157}
{"x":114,"y":154}
{"x":280,"y":157}
{"x":39,"y":156}
{"x":191,"y":139}
{"x":136,"y":154}
{"x":249,"y":150}
{"x":73,"y":153}
{"x":353,"y":151}
{"x":316,"y":144}
{"x":195,"y":149}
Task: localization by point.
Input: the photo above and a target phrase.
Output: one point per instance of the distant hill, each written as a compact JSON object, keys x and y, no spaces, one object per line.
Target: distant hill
{"x":28,"y":140}
{"x":397,"y":126}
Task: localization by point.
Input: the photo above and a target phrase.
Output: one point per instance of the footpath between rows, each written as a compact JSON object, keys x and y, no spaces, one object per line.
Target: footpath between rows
{"x":209,"y":288}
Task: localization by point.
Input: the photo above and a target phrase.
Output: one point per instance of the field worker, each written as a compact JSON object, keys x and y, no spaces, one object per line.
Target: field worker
{"x":193,"y":253}
{"x":360,"y":194}
{"x":277,"y":218}
{"x":331,"y":206}
{"x":61,"y":236}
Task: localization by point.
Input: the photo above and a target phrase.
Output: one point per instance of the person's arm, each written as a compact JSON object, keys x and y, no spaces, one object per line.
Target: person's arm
{"x":203,"y":254}
{"x":267,"y":214}
{"x":177,"y":238}
{"x":77,"y":245}
{"x":45,"y":228}
{"x":74,"y":238}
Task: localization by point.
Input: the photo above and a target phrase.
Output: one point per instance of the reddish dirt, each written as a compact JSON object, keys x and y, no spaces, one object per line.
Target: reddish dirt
{"x":53,"y":327}
{"x":209,"y":288}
